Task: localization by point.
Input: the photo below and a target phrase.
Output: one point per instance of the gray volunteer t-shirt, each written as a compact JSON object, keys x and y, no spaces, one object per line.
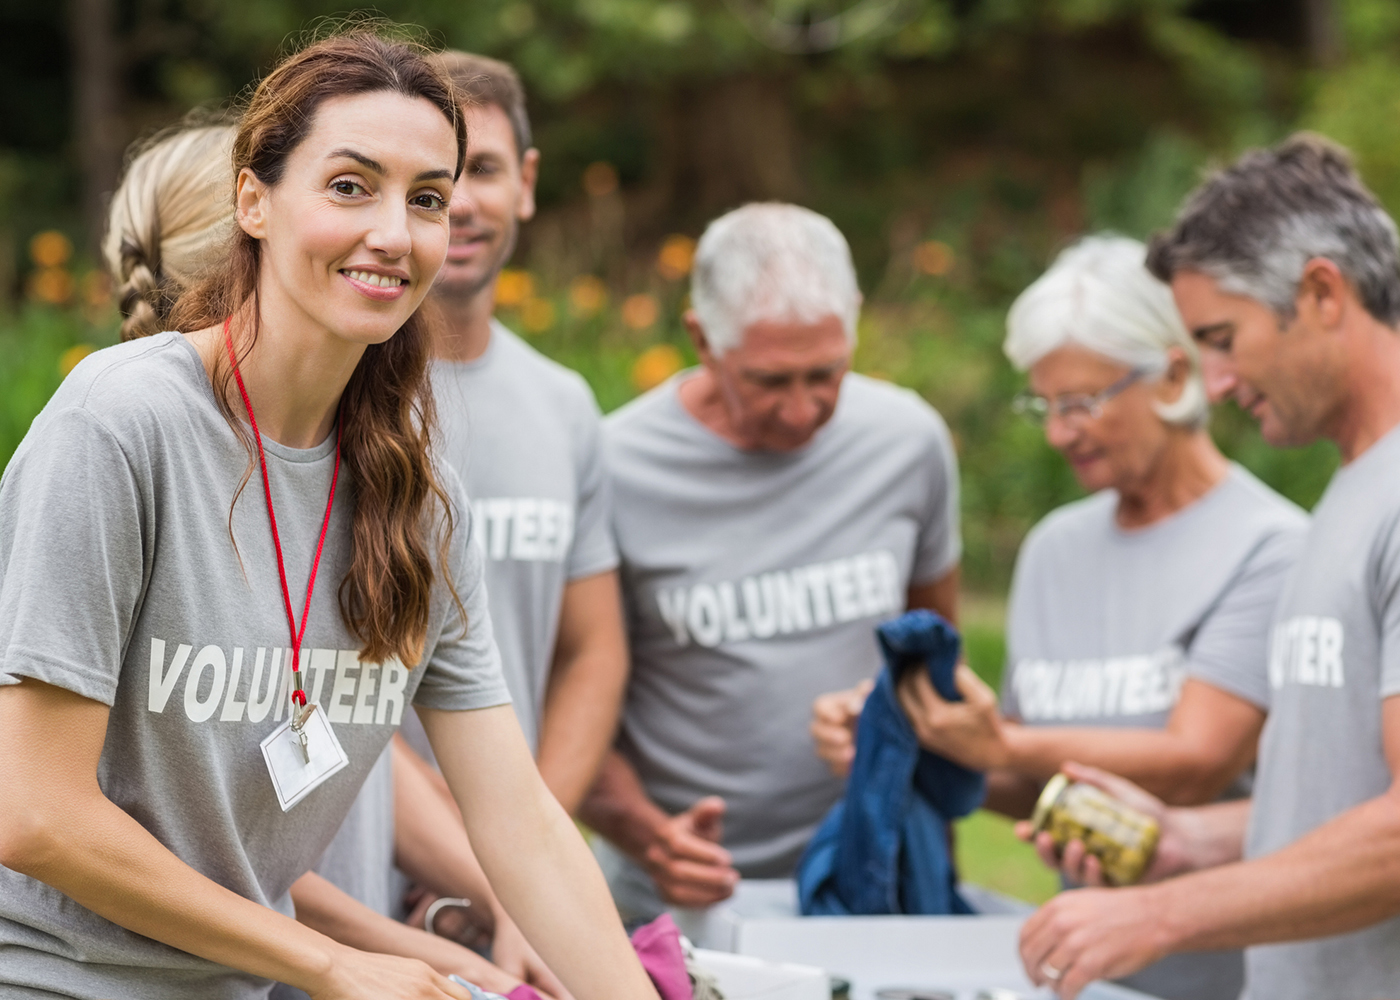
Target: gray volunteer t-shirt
{"x":120,"y":583}
{"x":522,"y":432}
{"x":1105,"y":624}
{"x":1334,"y":659}
{"x":753,"y":582}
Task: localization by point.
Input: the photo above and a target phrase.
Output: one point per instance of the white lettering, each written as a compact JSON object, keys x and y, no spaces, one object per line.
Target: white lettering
{"x":209,"y":656}
{"x":391,"y":692}
{"x":672,"y":604}
{"x":867,"y":585}
{"x":284,"y":690}
{"x":499,"y":514}
{"x":347,"y":663}
{"x":233,"y":708}
{"x":524,"y":540}
{"x":364,"y":711}
{"x":1307,"y":650}
{"x":703,"y":615}
{"x":761,"y":611}
{"x":161,"y":684}
{"x":821,"y":600}
{"x":844,"y":601}
{"x":260,"y":704}
{"x":1089,"y":689}
{"x":794,"y":612}
{"x":322,"y":661}
{"x":735,"y":628}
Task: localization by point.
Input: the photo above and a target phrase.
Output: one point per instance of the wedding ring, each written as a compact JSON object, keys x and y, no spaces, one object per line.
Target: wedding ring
{"x":1050,"y":972}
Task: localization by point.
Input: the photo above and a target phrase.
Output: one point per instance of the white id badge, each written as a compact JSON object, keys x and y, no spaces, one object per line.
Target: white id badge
{"x":292,"y":777}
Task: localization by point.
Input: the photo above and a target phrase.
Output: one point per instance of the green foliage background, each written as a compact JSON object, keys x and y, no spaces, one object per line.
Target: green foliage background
{"x":999,"y":128}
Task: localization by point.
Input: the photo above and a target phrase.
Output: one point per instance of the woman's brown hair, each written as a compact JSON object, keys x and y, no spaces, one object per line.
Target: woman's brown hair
{"x":386,"y":411}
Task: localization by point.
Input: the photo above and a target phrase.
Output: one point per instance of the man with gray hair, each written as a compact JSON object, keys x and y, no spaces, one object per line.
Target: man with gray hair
{"x":1286,"y":271}
{"x":770,"y":509}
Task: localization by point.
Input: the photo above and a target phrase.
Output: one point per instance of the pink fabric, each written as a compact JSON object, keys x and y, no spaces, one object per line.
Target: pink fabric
{"x":658,"y":946}
{"x":523,"y":992}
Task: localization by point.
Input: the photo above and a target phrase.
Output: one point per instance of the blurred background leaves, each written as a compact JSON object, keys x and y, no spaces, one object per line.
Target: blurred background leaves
{"x":957,"y":143}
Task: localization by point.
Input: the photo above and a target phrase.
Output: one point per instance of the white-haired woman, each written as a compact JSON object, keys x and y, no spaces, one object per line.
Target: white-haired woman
{"x":1137,"y":632}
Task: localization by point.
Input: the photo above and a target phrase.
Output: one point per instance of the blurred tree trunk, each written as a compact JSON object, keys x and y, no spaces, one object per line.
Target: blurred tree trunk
{"x":1324,"y":31}
{"x":98,"y":132}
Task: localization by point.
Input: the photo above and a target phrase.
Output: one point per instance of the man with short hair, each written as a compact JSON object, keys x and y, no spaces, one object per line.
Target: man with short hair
{"x":523,"y":434}
{"x":1286,"y":271}
{"x":770,"y":509}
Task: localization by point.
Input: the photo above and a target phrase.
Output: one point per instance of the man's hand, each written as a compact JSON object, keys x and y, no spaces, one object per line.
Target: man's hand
{"x":685,"y":859}
{"x":1175,"y":852}
{"x":1088,"y":934}
{"x":968,"y":732}
{"x":834,"y":718}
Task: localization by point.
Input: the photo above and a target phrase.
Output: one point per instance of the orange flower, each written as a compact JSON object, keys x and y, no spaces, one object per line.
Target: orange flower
{"x":514,"y":287}
{"x":676,"y":257}
{"x":655,"y":365}
{"x":599,"y":179}
{"x":640,"y":311}
{"x":934,"y":257}
{"x":50,"y":249}
{"x":536,"y":315}
{"x":53,"y":285}
{"x":587,"y":295}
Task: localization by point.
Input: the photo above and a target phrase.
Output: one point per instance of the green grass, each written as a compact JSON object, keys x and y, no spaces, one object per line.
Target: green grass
{"x":989,"y":855}
{"x":988,"y":852}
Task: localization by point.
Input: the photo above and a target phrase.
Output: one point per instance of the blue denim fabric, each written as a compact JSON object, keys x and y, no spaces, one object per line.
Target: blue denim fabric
{"x":884,"y":847}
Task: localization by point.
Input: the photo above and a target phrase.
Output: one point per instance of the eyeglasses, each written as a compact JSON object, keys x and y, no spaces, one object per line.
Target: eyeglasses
{"x":1072,"y":407}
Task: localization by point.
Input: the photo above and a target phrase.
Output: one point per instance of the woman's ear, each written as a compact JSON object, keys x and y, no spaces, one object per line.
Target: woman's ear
{"x":250,"y":203}
{"x":1173,"y":380}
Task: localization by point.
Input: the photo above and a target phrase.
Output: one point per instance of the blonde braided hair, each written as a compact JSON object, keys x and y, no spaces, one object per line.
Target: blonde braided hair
{"x":170,"y":217}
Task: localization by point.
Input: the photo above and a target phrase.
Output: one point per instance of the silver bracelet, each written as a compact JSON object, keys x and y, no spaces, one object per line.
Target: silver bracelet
{"x":436,"y":907}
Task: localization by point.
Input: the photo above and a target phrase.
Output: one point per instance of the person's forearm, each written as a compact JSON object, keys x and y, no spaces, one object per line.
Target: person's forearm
{"x":58,"y":827}
{"x":618,"y":807}
{"x":328,"y":909}
{"x":110,"y":864}
{"x":431,"y":845}
{"x":1175,"y":769}
{"x":1341,"y":877}
{"x":586,"y":684}
{"x":1011,"y":793}
{"x":534,"y":855}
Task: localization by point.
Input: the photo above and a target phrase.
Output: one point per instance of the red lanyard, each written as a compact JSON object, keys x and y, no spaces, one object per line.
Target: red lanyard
{"x":299,"y":692}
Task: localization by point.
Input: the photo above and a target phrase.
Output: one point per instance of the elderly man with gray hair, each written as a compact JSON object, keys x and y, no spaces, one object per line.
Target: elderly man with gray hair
{"x":1138,"y":628}
{"x":1286,"y":272}
{"x":770,"y":508}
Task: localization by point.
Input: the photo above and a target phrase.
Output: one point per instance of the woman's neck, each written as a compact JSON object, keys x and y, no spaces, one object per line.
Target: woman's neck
{"x":295,"y":374}
{"x":1189,"y":467}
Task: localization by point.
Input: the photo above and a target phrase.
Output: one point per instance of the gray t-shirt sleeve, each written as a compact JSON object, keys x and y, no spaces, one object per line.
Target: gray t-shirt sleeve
{"x":940,"y":532}
{"x":464,"y":668}
{"x":1387,"y":591}
{"x":593,"y":550}
{"x":71,"y":514}
{"x":1230,"y":650}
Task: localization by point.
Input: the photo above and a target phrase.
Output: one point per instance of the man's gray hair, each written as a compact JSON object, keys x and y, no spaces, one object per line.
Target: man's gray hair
{"x":1254,"y":226}
{"x":1099,"y":295}
{"x":771,"y":261}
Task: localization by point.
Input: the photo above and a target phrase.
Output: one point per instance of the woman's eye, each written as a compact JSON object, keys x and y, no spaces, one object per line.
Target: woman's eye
{"x":430,"y":200}
{"x":347,"y":188}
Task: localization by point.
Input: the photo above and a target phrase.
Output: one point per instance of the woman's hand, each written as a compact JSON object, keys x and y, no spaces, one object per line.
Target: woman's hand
{"x":515,"y":956}
{"x":1172,"y":856}
{"x":969,"y":732}
{"x":362,"y":975}
{"x":834,"y":718}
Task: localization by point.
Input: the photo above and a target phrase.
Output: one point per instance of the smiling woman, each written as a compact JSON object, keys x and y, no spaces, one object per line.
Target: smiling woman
{"x":147,"y":611}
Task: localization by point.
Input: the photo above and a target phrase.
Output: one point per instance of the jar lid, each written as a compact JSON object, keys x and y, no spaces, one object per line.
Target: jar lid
{"x":1054,"y":788}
